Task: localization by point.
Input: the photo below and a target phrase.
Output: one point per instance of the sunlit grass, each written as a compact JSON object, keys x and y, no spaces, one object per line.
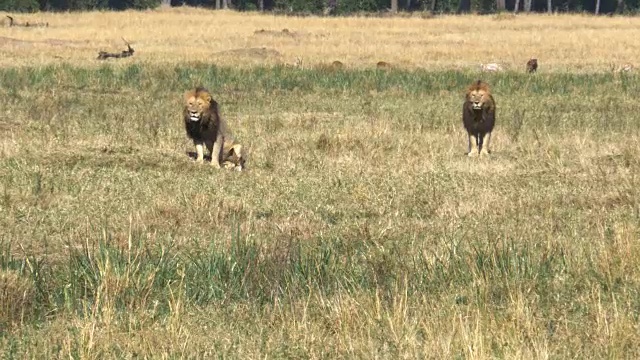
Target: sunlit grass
{"x":574,"y":43}
{"x":360,"y":229}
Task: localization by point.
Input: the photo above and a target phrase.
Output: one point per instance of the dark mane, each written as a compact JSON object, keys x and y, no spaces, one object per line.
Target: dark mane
{"x":201,"y":89}
{"x":479,"y":85}
{"x":210,"y":124}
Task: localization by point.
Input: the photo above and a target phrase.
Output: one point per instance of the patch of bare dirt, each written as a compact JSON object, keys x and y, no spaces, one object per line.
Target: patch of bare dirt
{"x":276,"y":33}
{"x":4,"y":41}
{"x":261,"y":53}
{"x":9,"y":126}
{"x":7,"y":41}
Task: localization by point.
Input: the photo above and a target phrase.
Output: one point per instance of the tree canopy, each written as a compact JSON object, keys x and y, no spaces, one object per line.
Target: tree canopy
{"x":337,"y":7}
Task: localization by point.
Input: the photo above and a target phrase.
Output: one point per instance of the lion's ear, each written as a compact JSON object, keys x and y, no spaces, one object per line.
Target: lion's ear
{"x":207,"y":97}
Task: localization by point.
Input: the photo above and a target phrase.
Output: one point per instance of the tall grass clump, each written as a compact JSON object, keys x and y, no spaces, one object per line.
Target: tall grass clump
{"x":142,"y":276}
{"x":16,"y":293}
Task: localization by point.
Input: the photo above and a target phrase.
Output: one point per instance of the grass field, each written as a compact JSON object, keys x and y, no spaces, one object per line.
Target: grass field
{"x":562,"y":43}
{"x":360,"y":229}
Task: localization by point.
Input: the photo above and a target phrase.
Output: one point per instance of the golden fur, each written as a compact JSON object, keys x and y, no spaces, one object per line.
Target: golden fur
{"x":479,"y":95}
{"x":205,"y":127}
{"x":478,"y":117}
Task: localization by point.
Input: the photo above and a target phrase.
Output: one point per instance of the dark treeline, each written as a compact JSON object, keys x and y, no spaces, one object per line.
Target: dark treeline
{"x":338,"y":7}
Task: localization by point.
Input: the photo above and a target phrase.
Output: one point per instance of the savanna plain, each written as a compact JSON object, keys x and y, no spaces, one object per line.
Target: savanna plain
{"x":359,"y":230}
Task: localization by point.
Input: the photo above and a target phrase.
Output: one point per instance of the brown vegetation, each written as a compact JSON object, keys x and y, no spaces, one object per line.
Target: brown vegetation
{"x":337,"y":65}
{"x":383,"y":65}
{"x":16,"y":298}
{"x":532,"y":65}
{"x":332,"y":67}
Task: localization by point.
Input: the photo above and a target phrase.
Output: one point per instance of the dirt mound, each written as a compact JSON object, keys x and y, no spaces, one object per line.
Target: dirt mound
{"x":261,"y":53}
{"x":282,"y":33}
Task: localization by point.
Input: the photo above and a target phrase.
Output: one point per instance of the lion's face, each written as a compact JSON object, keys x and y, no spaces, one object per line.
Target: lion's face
{"x":197,"y":104}
{"x":478,"y":98}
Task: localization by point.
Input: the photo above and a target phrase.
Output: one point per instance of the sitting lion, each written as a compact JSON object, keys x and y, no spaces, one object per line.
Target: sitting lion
{"x":479,"y":117}
{"x":204,"y":126}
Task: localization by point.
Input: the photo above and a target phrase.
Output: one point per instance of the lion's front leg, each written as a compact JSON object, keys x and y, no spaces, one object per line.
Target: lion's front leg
{"x":199,"y":152}
{"x":473,"y":145}
{"x":485,"y":150}
{"x":215,"y":149}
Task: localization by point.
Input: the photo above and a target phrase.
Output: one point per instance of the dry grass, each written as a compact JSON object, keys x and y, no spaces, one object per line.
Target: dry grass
{"x":360,"y":229}
{"x":16,"y":299}
{"x":561,"y":42}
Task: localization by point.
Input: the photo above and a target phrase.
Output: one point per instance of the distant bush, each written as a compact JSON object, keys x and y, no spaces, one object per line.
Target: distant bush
{"x":19,"y":5}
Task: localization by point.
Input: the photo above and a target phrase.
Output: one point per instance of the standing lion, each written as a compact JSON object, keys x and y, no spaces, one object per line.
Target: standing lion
{"x":205,"y":127}
{"x":479,"y":117}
